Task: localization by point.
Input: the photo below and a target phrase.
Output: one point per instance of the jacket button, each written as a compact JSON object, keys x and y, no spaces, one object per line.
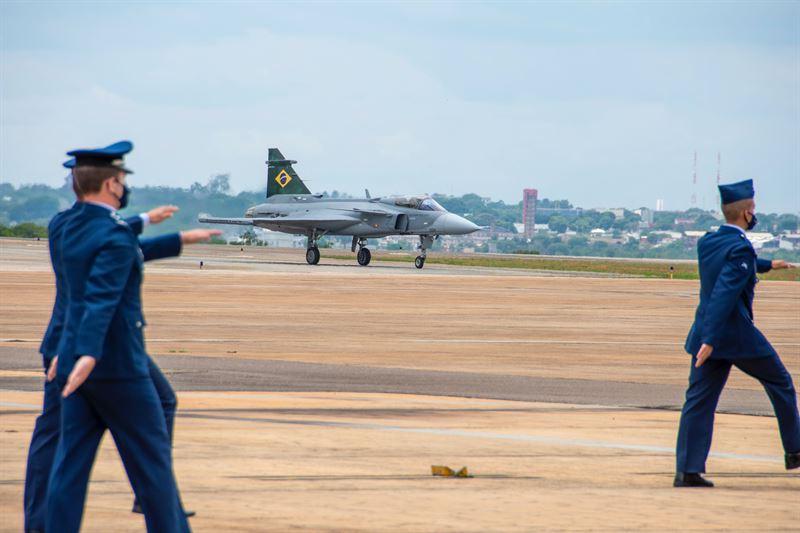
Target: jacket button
{"x":138,"y":323}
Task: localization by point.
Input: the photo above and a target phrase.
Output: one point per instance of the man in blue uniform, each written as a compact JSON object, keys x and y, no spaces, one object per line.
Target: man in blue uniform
{"x":46,"y":429}
{"x":102,"y":267}
{"x":723,"y":335}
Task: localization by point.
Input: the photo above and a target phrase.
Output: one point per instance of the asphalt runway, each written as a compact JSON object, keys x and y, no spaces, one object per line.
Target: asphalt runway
{"x":192,"y":373}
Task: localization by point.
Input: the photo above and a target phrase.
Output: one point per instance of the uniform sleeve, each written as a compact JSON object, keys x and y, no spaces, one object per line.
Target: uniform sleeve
{"x":161,"y":247}
{"x":731,"y":281}
{"x":105,"y":285}
{"x":136,"y":224}
{"x":763,"y":265}
{"x":48,"y":345}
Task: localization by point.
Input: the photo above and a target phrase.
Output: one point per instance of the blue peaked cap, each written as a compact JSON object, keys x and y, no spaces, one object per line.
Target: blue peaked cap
{"x":733,"y":192}
{"x":111,"y":155}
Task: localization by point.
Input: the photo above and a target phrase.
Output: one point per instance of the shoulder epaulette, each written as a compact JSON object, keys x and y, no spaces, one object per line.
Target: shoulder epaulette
{"x":118,"y":219}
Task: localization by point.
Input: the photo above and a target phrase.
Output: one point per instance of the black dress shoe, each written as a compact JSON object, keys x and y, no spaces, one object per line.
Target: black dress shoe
{"x":138,"y":509}
{"x":687,"y":479}
{"x":792,"y":460}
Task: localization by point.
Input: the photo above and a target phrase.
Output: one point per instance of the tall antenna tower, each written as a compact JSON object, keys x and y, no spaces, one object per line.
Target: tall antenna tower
{"x":694,"y":181}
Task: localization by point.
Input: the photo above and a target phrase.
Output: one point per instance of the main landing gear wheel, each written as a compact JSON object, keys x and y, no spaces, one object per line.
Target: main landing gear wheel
{"x":312,"y":255}
{"x":364,"y":257}
{"x":419,"y":262}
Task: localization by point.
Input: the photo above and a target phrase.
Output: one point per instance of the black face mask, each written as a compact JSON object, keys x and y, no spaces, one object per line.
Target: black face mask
{"x":752,"y":223}
{"x":123,"y":200}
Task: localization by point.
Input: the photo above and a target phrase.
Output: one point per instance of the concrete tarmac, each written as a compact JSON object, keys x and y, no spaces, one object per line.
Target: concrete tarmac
{"x":317,"y":398}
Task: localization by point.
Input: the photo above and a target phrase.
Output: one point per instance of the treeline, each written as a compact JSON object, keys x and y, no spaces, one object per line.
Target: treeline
{"x":27,"y":230}
{"x":38,"y":203}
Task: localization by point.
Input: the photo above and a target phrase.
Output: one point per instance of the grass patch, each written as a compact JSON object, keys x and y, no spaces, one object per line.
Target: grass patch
{"x":612,"y":266}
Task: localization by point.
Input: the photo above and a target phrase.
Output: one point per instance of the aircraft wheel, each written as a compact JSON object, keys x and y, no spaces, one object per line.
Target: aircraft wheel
{"x":312,"y":255}
{"x":419,"y":262}
{"x":364,"y":256}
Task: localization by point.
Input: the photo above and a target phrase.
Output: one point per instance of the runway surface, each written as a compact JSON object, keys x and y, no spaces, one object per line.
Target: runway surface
{"x":317,"y":398}
{"x":191,"y":373}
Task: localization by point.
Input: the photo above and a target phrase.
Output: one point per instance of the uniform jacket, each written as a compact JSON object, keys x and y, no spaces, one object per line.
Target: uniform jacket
{"x":155,"y":248}
{"x":724,"y":317}
{"x":102,"y":266}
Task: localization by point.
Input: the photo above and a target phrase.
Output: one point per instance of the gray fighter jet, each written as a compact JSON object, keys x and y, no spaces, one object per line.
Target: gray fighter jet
{"x":291,"y":208}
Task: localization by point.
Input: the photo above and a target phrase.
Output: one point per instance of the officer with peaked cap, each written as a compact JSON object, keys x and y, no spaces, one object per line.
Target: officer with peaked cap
{"x":47,"y":427}
{"x":724,"y":334}
{"x":103,"y":369}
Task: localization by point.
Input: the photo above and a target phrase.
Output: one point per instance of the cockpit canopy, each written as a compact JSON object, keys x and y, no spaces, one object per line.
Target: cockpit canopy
{"x":422,"y":203}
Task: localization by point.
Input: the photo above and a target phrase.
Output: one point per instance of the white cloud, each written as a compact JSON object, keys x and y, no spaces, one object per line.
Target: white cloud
{"x":608,"y":123}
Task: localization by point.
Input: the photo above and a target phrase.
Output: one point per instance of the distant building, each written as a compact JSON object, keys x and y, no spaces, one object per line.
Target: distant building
{"x":618,"y":212}
{"x":529,"y":199}
{"x":660,"y":204}
{"x":759,"y":239}
{"x":674,"y":235}
{"x":277,"y":239}
{"x":646,"y":215}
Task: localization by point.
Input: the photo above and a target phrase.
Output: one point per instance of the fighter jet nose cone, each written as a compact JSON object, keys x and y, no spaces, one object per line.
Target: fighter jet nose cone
{"x":450,"y":224}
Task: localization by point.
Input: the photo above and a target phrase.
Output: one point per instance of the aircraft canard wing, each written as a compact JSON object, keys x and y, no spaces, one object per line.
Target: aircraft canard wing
{"x":217,"y":220}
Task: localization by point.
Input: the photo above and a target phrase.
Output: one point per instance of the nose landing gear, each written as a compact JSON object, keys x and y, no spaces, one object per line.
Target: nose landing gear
{"x":425,"y":242}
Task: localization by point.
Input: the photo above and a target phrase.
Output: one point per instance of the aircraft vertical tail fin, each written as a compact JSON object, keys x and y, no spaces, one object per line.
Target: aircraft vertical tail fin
{"x":281,"y":177}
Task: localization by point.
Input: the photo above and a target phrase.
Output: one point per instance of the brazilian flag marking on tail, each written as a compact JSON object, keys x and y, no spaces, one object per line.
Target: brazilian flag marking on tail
{"x":281,"y":177}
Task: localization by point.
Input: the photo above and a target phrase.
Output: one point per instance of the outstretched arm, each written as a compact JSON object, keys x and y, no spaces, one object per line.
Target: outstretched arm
{"x":171,"y":245}
{"x":161,"y":247}
{"x":156,"y":215}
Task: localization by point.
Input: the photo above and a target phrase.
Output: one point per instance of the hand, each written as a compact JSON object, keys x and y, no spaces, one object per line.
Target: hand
{"x":779,"y":264}
{"x":51,"y":370}
{"x":198,"y":235}
{"x":161,"y":213}
{"x":83,"y":367}
{"x":703,"y":354}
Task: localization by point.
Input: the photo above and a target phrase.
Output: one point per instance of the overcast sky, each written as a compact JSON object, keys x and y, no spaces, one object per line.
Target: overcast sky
{"x":600,"y":103}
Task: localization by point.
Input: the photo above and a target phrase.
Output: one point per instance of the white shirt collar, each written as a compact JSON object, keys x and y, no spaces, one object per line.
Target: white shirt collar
{"x":101,"y":204}
{"x":737,"y":227}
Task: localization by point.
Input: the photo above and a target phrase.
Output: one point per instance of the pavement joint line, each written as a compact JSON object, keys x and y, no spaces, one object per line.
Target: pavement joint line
{"x":542,"y":439}
{"x":20,"y":405}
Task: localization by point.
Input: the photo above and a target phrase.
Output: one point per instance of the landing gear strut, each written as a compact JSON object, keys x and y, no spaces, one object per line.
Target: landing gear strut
{"x":312,"y":252}
{"x":425,"y":242}
{"x":364,"y":256}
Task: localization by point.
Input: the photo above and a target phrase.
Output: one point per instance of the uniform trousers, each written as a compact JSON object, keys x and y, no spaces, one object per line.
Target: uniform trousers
{"x":131,"y":411}
{"x":45,"y":437}
{"x":705,"y":386}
